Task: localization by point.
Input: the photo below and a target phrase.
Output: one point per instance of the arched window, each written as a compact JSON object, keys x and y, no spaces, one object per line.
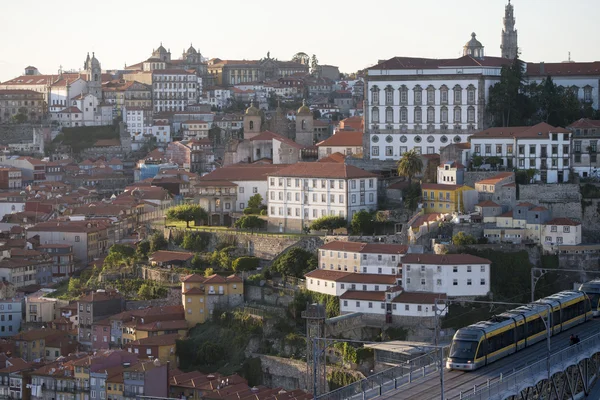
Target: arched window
{"x":444,"y":114}
{"x":403,"y":95}
{"x":251,"y":125}
{"x":457,"y":94}
{"x":430,"y":114}
{"x":418,"y":116}
{"x":457,"y":114}
{"x":375,"y":115}
{"x":418,"y":92}
{"x":471,"y":94}
{"x":389,"y":95}
{"x":389,"y":115}
{"x":403,"y":115}
{"x":303,"y":124}
{"x":444,"y":94}
{"x":96,"y":77}
{"x":430,"y":94}
{"x":375,"y":96}
{"x":471,"y":114}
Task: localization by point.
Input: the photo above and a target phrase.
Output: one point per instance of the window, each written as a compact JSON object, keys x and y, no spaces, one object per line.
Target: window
{"x":389,"y":96}
{"x":430,"y":95}
{"x":418,"y":114}
{"x":457,"y":95}
{"x":482,"y":282}
{"x":403,"y":115}
{"x":469,"y":282}
{"x":468,"y":268}
{"x":553,"y":229}
{"x":345,"y":303}
{"x":375,"y":96}
{"x":457,"y":114}
{"x":439,"y":282}
{"x":419,"y":308}
{"x":430,"y":114}
{"x":77,"y":238}
{"x":422,"y":281}
{"x":471,"y":114}
{"x":483,"y":268}
{"x":455,"y":269}
{"x":455,"y":282}
{"x":418,"y":92}
{"x":375,"y":115}
{"x":358,"y":304}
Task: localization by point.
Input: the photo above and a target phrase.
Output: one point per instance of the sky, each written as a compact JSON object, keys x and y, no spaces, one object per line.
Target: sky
{"x":352,"y":34}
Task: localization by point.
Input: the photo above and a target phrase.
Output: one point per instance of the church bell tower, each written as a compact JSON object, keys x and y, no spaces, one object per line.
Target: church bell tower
{"x":509,"y":46}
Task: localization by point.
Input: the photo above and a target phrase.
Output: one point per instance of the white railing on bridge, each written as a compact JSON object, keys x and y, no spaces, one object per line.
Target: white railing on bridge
{"x":514,"y":383}
{"x":391,"y":379}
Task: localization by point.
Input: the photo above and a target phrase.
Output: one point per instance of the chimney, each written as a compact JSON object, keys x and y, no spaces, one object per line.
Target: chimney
{"x":542,"y":68}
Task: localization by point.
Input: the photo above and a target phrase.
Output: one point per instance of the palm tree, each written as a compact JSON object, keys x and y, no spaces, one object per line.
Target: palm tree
{"x":410,"y":165}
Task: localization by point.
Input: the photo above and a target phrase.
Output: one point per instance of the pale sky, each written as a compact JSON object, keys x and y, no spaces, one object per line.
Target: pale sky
{"x":351,"y":34}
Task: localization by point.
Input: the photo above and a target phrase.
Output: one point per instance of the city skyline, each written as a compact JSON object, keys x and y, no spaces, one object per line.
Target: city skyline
{"x":338,"y":37}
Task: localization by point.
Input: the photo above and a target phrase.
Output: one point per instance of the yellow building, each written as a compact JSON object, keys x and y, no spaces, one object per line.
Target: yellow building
{"x":441,"y":198}
{"x":161,"y":347}
{"x":114,"y":386}
{"x":135,"y":331}
{"x":200,"y":295}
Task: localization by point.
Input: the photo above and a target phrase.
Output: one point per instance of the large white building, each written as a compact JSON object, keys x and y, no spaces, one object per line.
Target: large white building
{"x":541,"y":147}
{"x":174,"y":89}
{"x":457,"y":275}
{"x":304,"y":192}
{"x":367,"y":278}
{"x":425,"y":104}
{"x":561,"y":231}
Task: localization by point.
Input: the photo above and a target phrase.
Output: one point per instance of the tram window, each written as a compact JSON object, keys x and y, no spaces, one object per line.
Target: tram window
{"x":556,"y":318}
{"x":520,"y":332}
{"x":481,"y":352}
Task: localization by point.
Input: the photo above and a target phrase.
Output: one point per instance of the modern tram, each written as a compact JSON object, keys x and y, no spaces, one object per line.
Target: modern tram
{"x":485,"y":342}
{"x":592,"y":289}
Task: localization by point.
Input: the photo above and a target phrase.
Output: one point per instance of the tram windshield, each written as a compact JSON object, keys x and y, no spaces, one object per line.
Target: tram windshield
{"x":463,"y":349}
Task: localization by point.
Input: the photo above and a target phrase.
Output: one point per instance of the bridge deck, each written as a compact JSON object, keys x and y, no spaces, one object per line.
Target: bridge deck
{"x":458,"y":381}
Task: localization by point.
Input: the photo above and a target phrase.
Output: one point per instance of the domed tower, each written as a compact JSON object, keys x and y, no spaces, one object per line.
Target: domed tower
{"x":191,"y":55}
{"x":509,"y":46}
{"x":162,"y":53}
{"x":252,"y":121}
{"x":304,"y":126}
{"x":473,"y":47}
{"x":94,"y":76}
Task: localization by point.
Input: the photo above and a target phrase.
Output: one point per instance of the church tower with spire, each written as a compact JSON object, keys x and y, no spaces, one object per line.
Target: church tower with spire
{"x":94,"y":74}
{"x":509,"y":46}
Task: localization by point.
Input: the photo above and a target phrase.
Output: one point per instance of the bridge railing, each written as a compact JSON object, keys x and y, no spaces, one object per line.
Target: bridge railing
{"x":390,"y":379}
{"x":534,"y":373}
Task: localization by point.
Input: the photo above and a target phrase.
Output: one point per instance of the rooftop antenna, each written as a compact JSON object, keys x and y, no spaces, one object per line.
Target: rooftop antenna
{"x":569,"y":56}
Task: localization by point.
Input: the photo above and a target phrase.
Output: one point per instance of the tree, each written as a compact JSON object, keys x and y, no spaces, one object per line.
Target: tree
{"x":209,"y":272}
{"x":410,"y":165}
{"x":187,"y":213}
{"x":328,"y":223}
{"x":193,"y":241}
{"x":158,"y":242}
{"x":362,"y":223}
{"x":122,"y":250}
{"x":494,"y":161}
{"x":74,"y":287}
{"x":255,"y":201}
{"x":197,"y":261}
{"x":314,"y":64}
{"x":477,"y":161}
{"x":296,"y":262}
{"x":142,"y":249}
{"x":245,"y":264}
{"x":250,"y":222}
{"x":145,"y":292}
{"x":507,"y":103}
{"x":411,"y":196}
{"x":555,"y":105}
{"x":463,"y":239}
{"x":20,"y":118}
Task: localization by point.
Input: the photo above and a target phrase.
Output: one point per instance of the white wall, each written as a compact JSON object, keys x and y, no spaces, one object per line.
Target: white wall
{"x":572,"y":237}
{"x":440,"y":279}
{"x":349,"y":306}
{"x":307,"y":199}
{"x":247,"y":189}
{"x":324,"y":286}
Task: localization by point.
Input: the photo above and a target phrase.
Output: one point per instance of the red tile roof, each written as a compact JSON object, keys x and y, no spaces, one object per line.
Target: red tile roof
{"x":440,"y":186}
{"x":496,"y":178}
{"x":360,"y":247}
{"x":342,"y":138}
{"x":317,"y":170}
{"x":563,"y":221}
{"x":443,"y":259}
{"x":585,"y":123}
{"x":163,"y":256}
{"x":336,"y":157}
{"x":432,"y":63}
{"x":487,"y":203}
{"x":541,"y":130}
{"x":564,"y":69}
{"x":363,"y":295}
{"x":351,"y":277}
{"x":243,"y":172}
{"x":418,"y":297}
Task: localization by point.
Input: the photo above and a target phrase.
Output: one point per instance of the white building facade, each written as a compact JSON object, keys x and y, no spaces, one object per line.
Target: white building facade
{"x":541,"y":147}
{"x":425,"y":104}
{"x":456,"y":275}
{"x":174,"y":90}
{"x":304,"y":192}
